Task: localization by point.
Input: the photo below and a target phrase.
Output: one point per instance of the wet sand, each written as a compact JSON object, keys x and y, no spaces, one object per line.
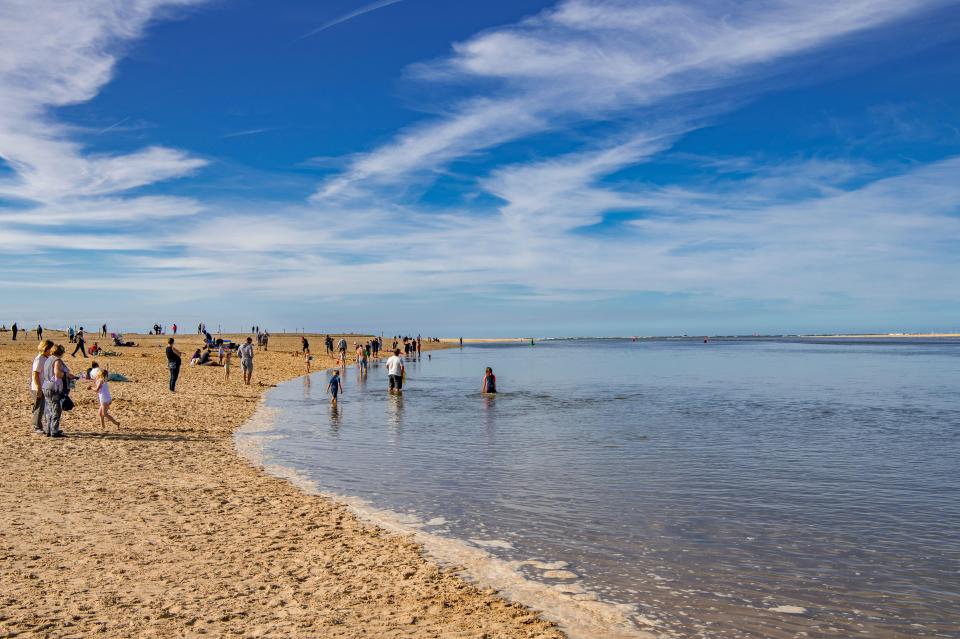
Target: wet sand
{"x":156,"y":528}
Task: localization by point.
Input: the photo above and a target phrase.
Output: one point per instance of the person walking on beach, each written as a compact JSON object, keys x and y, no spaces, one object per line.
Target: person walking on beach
{"x":362,"y":360}
{"x":14,"y":330}
{"x":174,"y":327}
{"x":103,"y":330}
{"x":328,"y":343}
{"x":304,"y":345}
{"x":81,"y":345}
{"x":174,"y":359}
{"x":246,"y":360}
{"x":395,"y":370}
{"x":342,"y":347}
{"x":334,"y":386}
{"x":56,"y":379}
{"x":489,"y":382}
{"x":103,"y":397}
{"x":36,"y":384}
{"x":226,"y":364}
{"x":39,"y":333}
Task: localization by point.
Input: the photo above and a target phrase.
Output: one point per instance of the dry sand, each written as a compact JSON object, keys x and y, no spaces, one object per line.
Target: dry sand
{"x":157,"y":529}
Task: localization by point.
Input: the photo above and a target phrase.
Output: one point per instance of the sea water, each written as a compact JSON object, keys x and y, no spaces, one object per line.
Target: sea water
{"x":735,"y":488}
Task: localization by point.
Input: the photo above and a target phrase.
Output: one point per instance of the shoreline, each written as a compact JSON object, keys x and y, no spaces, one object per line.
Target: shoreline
{"x":160,"y":528}
{"x":579,"y":613}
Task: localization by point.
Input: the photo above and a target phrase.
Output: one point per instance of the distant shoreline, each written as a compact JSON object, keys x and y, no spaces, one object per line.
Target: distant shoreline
{"x":511,"y":340}
{"x":882,"y":335}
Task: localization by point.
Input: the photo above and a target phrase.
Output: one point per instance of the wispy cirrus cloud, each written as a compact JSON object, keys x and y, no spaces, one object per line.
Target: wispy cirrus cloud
{"x":571,"y":224}
{"x":593,"y":59}
{"x":367,"y":8}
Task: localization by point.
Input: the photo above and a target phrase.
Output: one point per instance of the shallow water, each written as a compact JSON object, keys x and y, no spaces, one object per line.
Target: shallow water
{"x":740,"y":488}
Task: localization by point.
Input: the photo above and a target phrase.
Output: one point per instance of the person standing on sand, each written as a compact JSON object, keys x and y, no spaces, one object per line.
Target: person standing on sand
{"x":81,"y":345}
{"x":489,"y":382}
{"x":39,"y":333}
{"x":304,"y":345}
{"x":173,"y":363}
{"x":246,"y":360}
{"x":103,"y":397}
{"x":342,"y":347}
{"x":226,"y":364}
{"x":56,"y":377}
{"x":174,"y":327}
{"x":36,"y":384}
{"x":395,"y":371}
{"x":334,"y":386}
{"x":14,"y":329}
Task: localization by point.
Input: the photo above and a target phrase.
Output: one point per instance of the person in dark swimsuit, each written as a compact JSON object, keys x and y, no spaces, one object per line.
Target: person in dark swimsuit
{"x":489,"y":382}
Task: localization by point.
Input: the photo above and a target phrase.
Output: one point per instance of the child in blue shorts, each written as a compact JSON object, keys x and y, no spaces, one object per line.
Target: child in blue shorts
{"x":335,"y":386}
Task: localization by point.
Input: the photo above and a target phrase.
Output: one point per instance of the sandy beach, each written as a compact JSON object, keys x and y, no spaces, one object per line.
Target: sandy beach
{"x":156,"y":528}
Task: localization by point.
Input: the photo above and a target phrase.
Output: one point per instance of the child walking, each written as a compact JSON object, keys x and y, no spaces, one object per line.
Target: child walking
{"x":103,"y":396}
{"x":226,"y":364}
{"x":334,"y":387}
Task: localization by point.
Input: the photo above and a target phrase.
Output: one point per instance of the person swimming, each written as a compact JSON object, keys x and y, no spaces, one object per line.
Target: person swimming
{"x":489,"y":382}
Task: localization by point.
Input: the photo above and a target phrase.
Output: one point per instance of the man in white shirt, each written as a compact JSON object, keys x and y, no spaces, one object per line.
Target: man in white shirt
{"x":246,"y":360}
{"x":395,"y":371}
{"x":36,"y":384}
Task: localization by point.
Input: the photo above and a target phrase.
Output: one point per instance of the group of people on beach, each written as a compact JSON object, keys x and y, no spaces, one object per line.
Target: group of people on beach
{"x":51,"y":381}
{"x":204,"y":356}
{"x":16,"y":330}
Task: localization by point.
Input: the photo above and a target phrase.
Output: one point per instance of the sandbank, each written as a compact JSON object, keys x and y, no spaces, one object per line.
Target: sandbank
{"x":156,"y":528}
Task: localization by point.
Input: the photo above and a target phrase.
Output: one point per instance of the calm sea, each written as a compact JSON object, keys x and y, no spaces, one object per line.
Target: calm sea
{"x":739,"y":488}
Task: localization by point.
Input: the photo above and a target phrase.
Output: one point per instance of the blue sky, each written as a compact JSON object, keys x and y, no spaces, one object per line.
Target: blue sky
{"x":497,"y":168}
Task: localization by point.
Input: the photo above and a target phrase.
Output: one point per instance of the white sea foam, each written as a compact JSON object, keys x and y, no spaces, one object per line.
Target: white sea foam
{"x":789,"y":610}
{"x":580,"y":613}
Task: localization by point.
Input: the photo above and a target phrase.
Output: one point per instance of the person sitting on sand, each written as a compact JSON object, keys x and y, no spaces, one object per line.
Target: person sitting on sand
{"x":489,"y":382}
{"x":206,"y":356}
{"x":195,"y":358}
{"x":102,"y":387}
{"x":334,"y":386}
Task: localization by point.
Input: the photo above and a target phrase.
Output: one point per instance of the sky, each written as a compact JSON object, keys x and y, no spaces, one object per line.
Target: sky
{"x":497,"y":168}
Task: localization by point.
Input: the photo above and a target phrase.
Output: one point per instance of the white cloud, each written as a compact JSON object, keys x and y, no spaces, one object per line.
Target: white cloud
{"x":799,"y":229}
{"x":60,"y":53}
{"x":591,"y":59}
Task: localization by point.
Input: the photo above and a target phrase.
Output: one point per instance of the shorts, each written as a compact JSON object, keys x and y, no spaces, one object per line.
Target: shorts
{"x":396,"y":382}
{"x":246,"y":364}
